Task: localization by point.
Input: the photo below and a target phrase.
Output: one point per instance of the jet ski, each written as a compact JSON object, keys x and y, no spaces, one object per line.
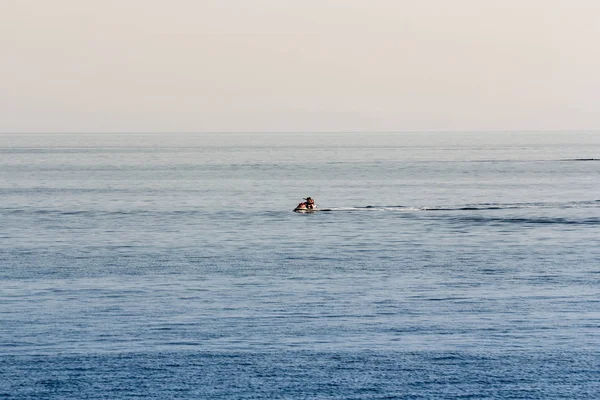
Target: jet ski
{"x":307,"y":206}
{"x":304,"y":208}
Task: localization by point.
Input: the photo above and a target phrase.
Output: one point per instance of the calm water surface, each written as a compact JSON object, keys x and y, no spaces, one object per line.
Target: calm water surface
{"x":171,"y":266}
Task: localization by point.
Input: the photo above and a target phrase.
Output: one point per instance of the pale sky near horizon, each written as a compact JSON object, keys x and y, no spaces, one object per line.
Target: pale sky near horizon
{"x":279,"y":65}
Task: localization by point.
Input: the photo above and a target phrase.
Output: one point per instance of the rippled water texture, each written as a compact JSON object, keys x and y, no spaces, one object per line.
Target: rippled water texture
{"x":443,"y":265}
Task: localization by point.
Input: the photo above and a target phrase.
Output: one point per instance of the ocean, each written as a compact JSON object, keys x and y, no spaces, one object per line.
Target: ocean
{"x":171,"y":266}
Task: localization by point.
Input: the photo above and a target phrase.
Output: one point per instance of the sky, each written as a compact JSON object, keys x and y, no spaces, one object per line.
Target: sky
{"x":294,"y":66}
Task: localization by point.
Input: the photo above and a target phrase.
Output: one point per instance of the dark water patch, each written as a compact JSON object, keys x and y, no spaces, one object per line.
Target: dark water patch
{"x":302,"y":374}
{"x":466,"y":208}
{"x":518,"y":161}
{"x":516,"y":206}
{"x":528,"y":221}
{"x":478,"y":206}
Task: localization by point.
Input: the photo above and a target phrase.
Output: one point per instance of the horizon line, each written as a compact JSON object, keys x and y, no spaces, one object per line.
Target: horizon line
{"x":299,"y":132}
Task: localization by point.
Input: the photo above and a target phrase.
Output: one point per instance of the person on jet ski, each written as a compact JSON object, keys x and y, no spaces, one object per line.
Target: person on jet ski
{"x":309,"y":203}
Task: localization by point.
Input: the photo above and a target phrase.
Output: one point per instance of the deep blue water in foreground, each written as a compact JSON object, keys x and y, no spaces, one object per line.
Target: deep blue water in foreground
{"x":171,"y":266}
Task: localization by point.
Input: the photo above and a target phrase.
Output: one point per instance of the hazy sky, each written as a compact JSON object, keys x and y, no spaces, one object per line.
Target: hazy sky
{"x":310,"y":65}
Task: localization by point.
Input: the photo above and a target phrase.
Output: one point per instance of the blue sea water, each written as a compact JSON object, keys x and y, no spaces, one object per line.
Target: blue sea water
{"x":450,"y":265}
